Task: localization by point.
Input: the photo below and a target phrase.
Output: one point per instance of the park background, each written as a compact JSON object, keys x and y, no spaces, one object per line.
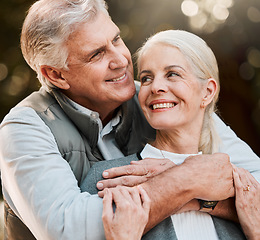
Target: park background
{"x":230,"y":27}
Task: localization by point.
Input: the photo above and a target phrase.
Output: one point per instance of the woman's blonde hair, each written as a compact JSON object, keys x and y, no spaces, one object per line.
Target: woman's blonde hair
{"x":48,"y":26}
{"x":204,"y":65}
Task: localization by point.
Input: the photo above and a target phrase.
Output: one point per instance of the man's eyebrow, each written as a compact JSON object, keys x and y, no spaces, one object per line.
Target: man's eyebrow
{"x":102,"y":47}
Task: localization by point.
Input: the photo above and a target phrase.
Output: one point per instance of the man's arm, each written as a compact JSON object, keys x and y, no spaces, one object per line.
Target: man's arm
{"x":178,"y":185}
{"x":39,"y":185}
{"x":240,"y":154}
{"x":172,"y":189}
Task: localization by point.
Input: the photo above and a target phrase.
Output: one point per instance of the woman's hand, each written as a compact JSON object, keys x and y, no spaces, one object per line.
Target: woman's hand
{"x":247,"y":202}
{"x":131,"y":214}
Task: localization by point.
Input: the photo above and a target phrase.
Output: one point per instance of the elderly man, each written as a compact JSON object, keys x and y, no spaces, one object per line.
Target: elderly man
{"x":87,"y":111}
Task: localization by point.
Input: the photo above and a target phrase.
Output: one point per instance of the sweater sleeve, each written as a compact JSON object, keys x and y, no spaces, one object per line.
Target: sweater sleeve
{"x":95,"y":173}
{"x":39,"y":185}
{"x":239,"y":152}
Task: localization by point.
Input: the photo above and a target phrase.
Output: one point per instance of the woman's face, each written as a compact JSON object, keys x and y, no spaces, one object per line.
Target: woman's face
{"x":170,"y":95}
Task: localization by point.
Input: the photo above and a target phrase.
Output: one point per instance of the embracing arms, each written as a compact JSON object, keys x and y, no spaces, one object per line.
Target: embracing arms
{"x":204,"y":183}
{"x":175,"y":186}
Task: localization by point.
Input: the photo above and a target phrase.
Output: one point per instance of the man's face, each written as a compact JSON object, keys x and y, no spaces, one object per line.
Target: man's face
{"x":100,"y":74}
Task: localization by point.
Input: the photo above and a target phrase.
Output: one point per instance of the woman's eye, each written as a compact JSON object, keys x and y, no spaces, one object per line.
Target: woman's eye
{"x":174,"y":74}
{"x":145,"y":79}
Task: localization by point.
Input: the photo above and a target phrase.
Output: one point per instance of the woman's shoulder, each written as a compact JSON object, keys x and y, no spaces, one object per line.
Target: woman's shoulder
{"x":95,"y":173}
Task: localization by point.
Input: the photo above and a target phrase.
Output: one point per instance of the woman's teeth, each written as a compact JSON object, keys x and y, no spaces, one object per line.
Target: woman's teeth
{"x":163,"y":105}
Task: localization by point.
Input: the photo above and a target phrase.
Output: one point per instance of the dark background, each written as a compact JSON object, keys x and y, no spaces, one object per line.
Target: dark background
{"x":230,"y":27}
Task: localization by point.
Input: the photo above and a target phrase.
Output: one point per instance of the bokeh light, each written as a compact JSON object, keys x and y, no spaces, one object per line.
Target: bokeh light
{"x":254,"y":57}
{"x":189,"y":8}
{"x":206,"y":15}
{"x":3,"y":71}
{"x":220,"y":12}
{"x":246,"y":71}
{"x":253,"y":14}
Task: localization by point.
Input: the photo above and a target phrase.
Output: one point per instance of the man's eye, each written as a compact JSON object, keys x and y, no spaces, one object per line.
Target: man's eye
{"x":95,"y":56}
{"x":116,"y":39}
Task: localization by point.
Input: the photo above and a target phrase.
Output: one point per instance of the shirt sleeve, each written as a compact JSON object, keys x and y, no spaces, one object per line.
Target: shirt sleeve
{"x":39,"y":185}
{"x":239,"y":152}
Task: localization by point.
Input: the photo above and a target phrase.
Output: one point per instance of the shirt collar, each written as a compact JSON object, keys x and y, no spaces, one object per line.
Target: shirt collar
{"x":152,"y":152}
{"x":95,"y":115}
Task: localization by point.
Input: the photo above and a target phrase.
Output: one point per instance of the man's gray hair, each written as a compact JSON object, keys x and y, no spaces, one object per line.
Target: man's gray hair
{"x":47,"y":27}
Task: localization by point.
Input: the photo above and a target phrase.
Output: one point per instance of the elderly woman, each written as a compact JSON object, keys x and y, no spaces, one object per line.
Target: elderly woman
{"x":179,"y":90}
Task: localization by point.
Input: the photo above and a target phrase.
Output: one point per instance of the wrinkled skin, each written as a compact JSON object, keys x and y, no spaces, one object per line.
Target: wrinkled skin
{"x":247,"y":202}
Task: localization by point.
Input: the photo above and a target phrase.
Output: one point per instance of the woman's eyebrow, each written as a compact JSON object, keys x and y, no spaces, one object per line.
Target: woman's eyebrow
{"x":144,"y":71}
{"x":174,"y":66}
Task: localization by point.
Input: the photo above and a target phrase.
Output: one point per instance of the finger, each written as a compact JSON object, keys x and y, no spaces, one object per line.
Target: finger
{"x":238,"y":185}
{"x":242,"y":182}
{"x":122,"y":198}
{"x":125,"y":170}
{"x":244,"y":176}
{"x":128,"y":181}
{"x":136,"y":196}
{"x":131,"y":194}
{"x":250,"y":178}
{"x":155,"y":166}
{"x":147,"y":161}
{"x":145,"y":199}
{"x":101,"y":194}
{"x":107,"y":206}
{"x":237,"y":181}
{"x":153,"y":161}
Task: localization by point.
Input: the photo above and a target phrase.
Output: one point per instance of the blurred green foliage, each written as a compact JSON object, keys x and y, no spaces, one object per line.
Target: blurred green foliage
{"x":234,"y":40}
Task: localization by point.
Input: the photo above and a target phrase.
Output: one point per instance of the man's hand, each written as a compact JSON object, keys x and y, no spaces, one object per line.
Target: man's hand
{"x":212,"y":176}
{"x":206,"y":177}
{"x":134,"y":174}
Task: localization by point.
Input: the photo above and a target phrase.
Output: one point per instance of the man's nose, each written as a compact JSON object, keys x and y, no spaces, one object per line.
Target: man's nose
{"x":118,"y":60}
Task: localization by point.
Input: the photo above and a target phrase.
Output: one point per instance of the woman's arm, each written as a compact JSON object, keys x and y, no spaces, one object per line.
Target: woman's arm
{"x":247,"y":202}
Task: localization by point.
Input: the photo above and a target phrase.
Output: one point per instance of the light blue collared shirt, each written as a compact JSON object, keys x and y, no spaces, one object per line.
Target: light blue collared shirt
{"x":106,"y":137}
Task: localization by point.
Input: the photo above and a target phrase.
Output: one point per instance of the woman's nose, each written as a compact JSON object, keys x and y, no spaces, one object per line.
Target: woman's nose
{"x":158,"y":86}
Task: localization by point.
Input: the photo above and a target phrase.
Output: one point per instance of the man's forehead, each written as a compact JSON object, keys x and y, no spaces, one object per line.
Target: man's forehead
{"x":94,"y":34}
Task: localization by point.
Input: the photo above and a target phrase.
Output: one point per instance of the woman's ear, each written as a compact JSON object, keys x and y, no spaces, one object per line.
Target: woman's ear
{"x":54,"y":76}
{"x":210,"y":91}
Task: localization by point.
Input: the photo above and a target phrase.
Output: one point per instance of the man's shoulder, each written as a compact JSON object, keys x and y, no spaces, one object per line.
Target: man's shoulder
{"x":40,"y":101}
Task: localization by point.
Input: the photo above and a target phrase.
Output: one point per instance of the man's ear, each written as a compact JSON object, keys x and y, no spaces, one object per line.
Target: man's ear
{"x":54,"y":76}
{"x":210,"y":91}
